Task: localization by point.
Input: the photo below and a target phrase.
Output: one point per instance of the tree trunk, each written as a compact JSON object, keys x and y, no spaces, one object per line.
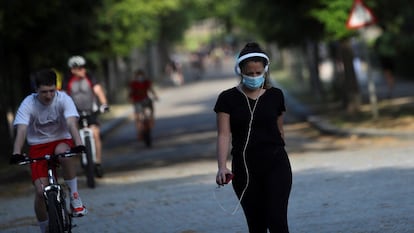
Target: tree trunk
{"x":345,"y":83}
{"x":14,"y":84}
{"x":351,"y":84}
{"x":312,"y":54}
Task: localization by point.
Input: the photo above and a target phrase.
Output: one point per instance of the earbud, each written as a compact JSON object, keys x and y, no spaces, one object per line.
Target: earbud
{"x":249,"y":55}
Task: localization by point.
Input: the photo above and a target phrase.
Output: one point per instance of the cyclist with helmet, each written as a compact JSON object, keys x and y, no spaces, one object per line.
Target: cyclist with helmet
{"x":87,"y":94}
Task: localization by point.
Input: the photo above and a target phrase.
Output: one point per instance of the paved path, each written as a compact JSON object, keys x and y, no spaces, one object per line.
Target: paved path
{"x":360,"y":189}
{"x":363,"y":190}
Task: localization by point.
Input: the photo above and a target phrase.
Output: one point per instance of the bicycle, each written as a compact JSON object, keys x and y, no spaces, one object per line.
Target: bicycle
{"x":60,"y":220}
{"x":146,"y":121}
{"x":88,"y":159}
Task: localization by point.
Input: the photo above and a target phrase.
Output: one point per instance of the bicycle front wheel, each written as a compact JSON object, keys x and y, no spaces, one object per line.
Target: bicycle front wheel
{"x":67,"y":217}
{"x":54,"y":209}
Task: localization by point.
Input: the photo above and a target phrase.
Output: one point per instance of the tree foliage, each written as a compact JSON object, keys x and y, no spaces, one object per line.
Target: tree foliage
{"x":333,"y":15}
{"x":285,"y":22}
{"x":128,"y":24}
{"x":47,"y":30}
{"x":37,"y":34}
{"x":396,"y":19}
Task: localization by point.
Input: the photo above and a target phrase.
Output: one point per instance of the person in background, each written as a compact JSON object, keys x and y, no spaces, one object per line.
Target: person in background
{"x":140,"y":89}
{"x":89,"y":97}
{"x":385,"y":48}
{"x":47,"y":119}
{"x":250,"y":119}
{"x":174,"y":72}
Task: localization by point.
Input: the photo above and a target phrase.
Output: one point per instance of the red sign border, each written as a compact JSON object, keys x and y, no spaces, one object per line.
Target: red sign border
{"x":373,"y":21}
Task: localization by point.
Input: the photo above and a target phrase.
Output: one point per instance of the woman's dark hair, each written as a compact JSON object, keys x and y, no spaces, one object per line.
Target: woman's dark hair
{"x":45,"y":77}
{"x":252,"y":47}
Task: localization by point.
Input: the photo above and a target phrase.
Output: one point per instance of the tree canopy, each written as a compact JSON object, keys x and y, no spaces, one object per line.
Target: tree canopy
{"x":38,"y":34}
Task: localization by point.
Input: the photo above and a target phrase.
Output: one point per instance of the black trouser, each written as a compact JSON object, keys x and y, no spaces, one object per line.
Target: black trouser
{"x":265,"y":201}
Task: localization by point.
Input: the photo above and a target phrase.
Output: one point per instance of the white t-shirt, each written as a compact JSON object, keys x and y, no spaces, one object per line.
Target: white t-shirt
{"x":46,"y":123}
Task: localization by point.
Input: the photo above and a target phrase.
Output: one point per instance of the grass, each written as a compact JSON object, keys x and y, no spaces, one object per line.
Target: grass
{"x":394,"y":114}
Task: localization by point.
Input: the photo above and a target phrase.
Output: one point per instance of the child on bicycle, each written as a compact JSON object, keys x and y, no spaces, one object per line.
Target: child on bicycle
{"x":140,"y":89}
{"x":48,"y":121}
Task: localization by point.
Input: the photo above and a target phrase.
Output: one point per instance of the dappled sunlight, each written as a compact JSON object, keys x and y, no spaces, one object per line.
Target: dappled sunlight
{"x":191,"y":99}
{"x":175,"y":171}
{"x":302,"y":138}
{"x":187,"y":110}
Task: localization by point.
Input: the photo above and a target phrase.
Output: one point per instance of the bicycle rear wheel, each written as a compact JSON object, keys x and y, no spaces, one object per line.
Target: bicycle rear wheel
{"x":146,"y":134}
{"x":54,"y":209}
{"x":90,"y":166}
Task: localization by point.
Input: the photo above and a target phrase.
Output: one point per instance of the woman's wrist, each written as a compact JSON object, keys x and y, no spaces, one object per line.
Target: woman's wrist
{"x":222,"y":166}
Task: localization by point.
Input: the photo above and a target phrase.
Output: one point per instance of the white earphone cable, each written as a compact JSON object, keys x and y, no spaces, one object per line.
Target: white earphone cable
{"x":244,"y":151}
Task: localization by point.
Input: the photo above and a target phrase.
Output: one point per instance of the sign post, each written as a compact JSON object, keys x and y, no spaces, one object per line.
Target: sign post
{"x":361,"y":17}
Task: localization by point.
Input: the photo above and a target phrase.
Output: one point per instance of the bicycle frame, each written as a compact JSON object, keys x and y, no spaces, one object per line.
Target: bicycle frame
{"x":53,"y":184}
{"x":59,"y":203}
{"x":84,"y":132}
{"x":145,"y":116}
{"x":88,"y":159}
{"x":145,"y":121}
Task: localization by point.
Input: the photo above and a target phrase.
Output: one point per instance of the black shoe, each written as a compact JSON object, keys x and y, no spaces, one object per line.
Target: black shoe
{"x":98,"y":170}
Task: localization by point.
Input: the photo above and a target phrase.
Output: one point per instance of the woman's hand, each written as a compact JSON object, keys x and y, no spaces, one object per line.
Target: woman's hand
{"x":222,"y":174}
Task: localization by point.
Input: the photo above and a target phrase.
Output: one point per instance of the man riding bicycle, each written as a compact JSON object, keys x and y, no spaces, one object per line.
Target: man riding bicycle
{"x":139,"y":89}
{"x":48,"y":120}
{"x":87,"y":93}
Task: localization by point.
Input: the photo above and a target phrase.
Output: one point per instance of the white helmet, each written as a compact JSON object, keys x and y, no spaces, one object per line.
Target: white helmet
{"x":76,"y":61}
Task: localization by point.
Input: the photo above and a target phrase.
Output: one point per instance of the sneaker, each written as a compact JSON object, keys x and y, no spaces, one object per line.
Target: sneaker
{"x":98,"y":170}
{"x":78,"y":209}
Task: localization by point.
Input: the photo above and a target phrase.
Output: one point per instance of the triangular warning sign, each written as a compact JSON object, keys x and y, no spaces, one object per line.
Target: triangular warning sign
{"x":360,"y":16}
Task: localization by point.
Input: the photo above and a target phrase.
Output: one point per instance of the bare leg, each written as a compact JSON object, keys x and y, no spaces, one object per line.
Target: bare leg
{"x":152,"y":121}
{"x":39,"y":201}
{"x":139,"y":125}
{"x":68,"y":164}
{"x":138,"y":121}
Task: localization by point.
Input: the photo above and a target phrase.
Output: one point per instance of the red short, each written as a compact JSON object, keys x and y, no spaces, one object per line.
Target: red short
{"x":39,"y":169}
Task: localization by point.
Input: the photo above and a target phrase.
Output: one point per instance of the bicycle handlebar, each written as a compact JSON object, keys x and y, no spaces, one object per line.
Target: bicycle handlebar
{"x":101,"y":109}
{"x":66,"y":154}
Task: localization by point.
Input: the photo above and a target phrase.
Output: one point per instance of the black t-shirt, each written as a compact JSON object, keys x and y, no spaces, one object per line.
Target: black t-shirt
{"x":265,"y":136}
